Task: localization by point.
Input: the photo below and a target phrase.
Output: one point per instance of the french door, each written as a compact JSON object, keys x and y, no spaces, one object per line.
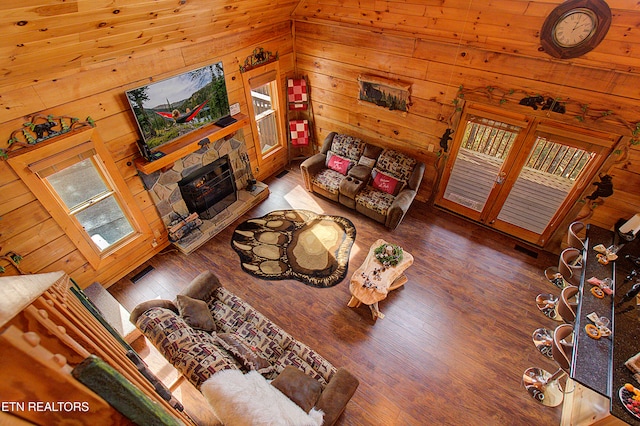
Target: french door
{"x":519,"y":174}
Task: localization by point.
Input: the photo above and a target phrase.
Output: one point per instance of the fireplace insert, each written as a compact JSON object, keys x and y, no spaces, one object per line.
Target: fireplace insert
{"x":210,"y":189}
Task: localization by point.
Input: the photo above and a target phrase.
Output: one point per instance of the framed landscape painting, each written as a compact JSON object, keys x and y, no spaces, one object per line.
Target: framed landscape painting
{"x":392,"y":95}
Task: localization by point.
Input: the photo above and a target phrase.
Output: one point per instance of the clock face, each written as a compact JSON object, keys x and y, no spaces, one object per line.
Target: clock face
{"x":574,"y":27}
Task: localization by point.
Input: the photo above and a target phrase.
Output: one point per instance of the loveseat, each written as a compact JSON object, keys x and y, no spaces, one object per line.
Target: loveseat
{"x":208,"y":329}
{"x":379,"y":183}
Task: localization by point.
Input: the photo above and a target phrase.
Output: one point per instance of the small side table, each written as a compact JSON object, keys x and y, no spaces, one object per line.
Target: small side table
{"x":369,"y":288}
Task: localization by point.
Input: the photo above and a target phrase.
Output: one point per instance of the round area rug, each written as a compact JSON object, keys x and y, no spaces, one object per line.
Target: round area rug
{"x":295,"y":244}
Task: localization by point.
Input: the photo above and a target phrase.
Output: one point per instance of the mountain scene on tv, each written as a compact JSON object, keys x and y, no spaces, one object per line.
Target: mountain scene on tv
{"x":179,"y":105}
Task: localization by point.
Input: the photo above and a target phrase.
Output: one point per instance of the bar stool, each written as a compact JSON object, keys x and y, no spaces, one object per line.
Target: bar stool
{"x":543,"y":386}
{"x":568,"y":303}
{"x":569,"y":270}
{"x":573,"y":240}
{"x":570,"y":258}
{"x":566,"y":310}
{"x":543,"y":341}
{"x":555,"y":277}
{"x":570,"y":265}
{"x":547,"y":303}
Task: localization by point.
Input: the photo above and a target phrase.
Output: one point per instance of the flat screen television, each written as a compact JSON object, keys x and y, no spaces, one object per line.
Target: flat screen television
{"x":169,"y":109}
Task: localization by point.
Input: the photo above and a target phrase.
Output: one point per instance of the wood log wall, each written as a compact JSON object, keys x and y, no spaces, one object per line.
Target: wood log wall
{"x":77,"y":57}
{"x":438,"y":46}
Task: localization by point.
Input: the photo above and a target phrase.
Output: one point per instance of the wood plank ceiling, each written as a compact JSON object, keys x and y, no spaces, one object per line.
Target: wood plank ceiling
{"x":50,"y":38}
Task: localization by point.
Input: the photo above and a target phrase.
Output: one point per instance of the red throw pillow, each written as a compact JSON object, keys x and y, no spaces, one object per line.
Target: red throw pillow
{"x":339,"y":164}
{"x":386,"y":183}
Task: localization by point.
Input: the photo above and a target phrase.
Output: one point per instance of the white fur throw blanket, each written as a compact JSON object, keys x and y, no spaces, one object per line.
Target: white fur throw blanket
{"x":249,"y":400}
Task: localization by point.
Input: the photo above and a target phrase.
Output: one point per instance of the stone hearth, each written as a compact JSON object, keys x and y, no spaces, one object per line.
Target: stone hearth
{"x":163,"y":188}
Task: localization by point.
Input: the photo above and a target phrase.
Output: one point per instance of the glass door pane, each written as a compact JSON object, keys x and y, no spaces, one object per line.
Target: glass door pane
{"x":543,"y":184}
{"x":265,"y":117}
{"x":484,"y":148}
{"x":264,"y":100}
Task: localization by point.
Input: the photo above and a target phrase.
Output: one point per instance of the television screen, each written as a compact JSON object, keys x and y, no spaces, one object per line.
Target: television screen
{"x":168,"y":109}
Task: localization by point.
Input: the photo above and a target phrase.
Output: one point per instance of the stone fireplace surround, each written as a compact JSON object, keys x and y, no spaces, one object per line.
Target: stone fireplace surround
{"x":163,"y":188}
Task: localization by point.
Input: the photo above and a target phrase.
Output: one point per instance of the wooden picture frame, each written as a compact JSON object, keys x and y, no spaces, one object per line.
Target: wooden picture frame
{"x":389,"y":94}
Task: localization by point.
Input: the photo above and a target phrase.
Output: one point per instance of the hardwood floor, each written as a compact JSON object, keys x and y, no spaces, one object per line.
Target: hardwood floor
{"x":455,"y":339}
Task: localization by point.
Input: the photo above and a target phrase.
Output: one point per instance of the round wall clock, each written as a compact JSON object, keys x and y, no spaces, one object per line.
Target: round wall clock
{"x":575,"y":27}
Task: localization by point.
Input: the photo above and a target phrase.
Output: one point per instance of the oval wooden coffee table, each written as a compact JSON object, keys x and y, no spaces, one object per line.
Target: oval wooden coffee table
{"x":371,"y":282}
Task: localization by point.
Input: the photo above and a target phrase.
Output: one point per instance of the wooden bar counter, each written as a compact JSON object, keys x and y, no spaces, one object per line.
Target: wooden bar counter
{"x":591,"y":363}
{"x":598,"y":368}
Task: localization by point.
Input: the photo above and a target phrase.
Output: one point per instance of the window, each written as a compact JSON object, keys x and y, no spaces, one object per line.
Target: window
{"x":76,"y":180}
{"x":86,"y":196}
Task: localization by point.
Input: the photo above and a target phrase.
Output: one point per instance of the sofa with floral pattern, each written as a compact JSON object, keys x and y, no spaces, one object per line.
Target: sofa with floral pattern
{"x":379,"y":183}
{"x":208,"y":329}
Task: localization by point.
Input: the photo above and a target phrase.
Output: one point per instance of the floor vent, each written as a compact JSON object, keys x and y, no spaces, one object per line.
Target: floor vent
{"x":282,"y":173}
{"x":526,"y":251}
{"x":137,"y":277}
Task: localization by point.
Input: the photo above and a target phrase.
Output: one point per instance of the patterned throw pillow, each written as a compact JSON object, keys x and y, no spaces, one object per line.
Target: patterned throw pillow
{"x":386,"y":183}
{"x":338,"y":163}
{"x":396,"y":164}
{"x":244,"y":353}
{"x":347,"y":146}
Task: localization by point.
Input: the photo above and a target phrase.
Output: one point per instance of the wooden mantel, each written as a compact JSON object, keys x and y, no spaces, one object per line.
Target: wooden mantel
{"x":188,"y":144}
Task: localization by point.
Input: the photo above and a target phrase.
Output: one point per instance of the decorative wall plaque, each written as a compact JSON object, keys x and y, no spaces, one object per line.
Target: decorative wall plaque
{"x":257,"y":58}
{"x":41,"y":128}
